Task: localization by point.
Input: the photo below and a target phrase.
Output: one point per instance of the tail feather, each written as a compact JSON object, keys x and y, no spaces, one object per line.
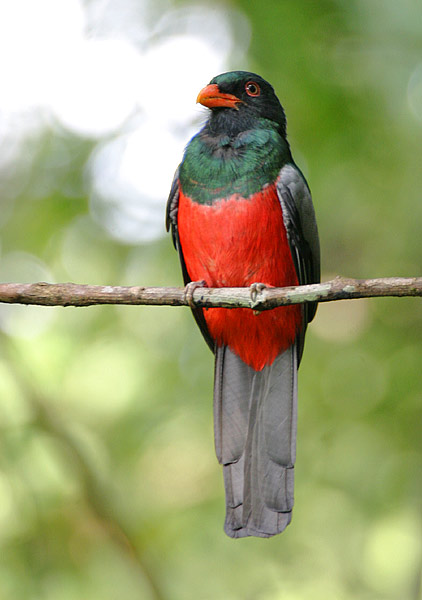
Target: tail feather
{"x":255,"y":414}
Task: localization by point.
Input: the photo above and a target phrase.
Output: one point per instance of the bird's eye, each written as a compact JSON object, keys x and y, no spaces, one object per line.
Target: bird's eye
{"x":252,"y":88}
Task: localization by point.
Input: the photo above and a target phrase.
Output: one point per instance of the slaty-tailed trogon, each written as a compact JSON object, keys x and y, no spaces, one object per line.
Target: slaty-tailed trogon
{"x":241,"y":213}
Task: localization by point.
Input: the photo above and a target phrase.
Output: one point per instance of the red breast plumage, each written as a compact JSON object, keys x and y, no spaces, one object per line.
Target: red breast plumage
{"x":235,"y":242}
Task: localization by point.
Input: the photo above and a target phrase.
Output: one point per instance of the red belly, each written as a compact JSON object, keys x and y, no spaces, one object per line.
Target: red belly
{"x":234,"y":243}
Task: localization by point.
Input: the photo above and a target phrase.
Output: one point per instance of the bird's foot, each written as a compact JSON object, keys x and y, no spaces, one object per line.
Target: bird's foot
{"x":189,"y":290}
{"x":255,"y":289}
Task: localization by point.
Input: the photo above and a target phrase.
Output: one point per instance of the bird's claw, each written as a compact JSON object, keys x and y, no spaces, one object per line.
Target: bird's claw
{"x":255,"y":289}
{"x":189,"y":290}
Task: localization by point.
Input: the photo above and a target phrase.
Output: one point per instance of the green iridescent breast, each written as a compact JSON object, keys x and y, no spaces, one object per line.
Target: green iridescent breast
{"x":219,"y":166}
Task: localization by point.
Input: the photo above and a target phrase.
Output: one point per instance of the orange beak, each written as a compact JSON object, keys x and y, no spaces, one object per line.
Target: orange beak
{"x":211,"y":97}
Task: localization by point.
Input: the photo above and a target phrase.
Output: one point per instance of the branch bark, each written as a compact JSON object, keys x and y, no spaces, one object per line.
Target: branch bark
{"x":340,"y":288}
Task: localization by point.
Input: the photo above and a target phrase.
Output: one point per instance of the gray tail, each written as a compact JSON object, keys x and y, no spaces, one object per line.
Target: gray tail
{"x":255,"y":415}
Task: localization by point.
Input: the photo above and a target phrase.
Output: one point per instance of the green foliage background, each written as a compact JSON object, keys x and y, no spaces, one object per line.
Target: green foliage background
{"x":109,"y":487}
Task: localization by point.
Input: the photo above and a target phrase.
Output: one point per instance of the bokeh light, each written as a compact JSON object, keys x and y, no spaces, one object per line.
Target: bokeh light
{"x":129,"y":85}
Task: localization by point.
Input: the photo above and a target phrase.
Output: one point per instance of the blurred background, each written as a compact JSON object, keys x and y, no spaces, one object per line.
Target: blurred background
{"x":109,"y":486}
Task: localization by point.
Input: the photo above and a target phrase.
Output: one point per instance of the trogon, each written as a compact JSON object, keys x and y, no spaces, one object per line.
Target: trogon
{"x":241,"y":214}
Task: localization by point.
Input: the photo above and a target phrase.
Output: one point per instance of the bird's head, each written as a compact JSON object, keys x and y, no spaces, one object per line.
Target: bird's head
{"x":240,"y":97}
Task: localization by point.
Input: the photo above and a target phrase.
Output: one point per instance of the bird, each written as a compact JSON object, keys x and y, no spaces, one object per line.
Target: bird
{"x":241,"y":215}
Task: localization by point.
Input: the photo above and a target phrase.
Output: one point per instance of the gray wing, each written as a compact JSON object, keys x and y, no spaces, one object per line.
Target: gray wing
{"x":172,"y":208}
{"x":300,"y":222}
{"x":302,"y":232}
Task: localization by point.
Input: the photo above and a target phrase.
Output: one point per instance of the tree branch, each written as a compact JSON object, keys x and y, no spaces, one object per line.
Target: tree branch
{"x":340,"y":288}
